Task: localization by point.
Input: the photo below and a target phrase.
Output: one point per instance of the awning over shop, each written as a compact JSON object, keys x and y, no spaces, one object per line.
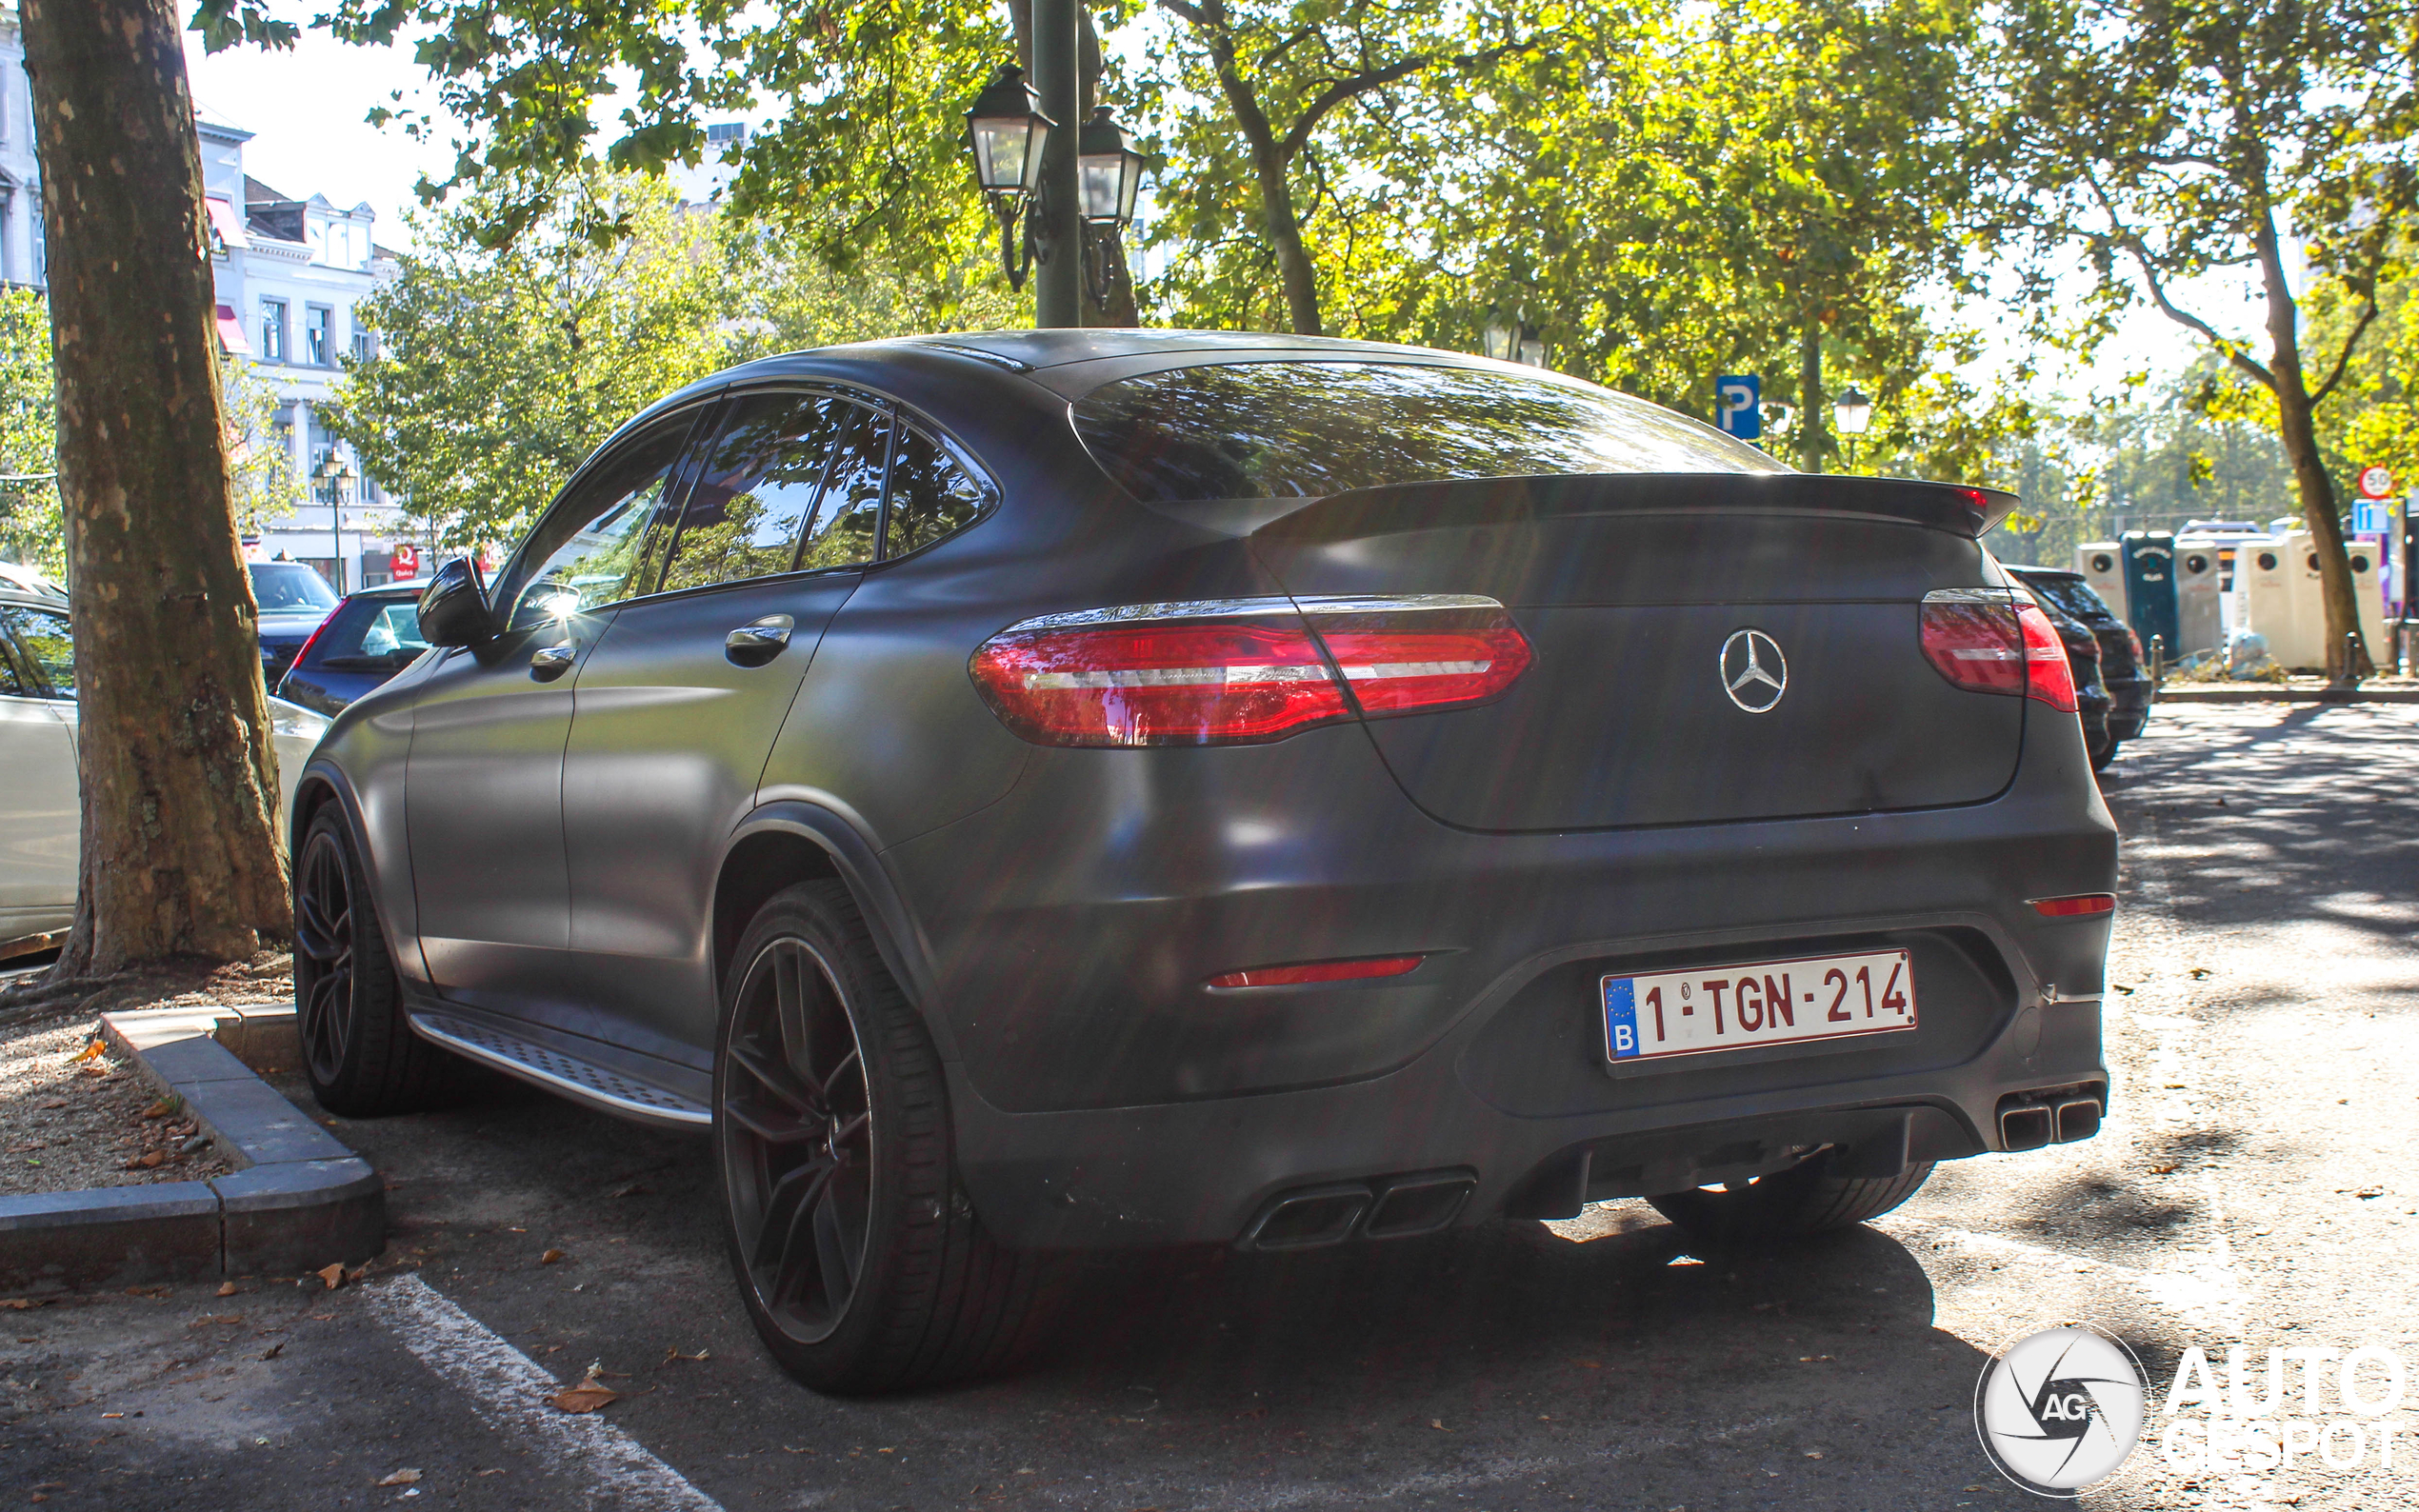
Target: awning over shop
{"x":230,"y":332}
{"x":228,"y":224}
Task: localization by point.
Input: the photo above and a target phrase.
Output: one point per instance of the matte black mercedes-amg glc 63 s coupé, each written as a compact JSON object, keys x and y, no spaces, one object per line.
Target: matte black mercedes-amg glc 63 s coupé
{"x":1029,"y":792}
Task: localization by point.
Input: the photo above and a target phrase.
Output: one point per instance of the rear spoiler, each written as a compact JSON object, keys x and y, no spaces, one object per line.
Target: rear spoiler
{"x":1402,"y":507}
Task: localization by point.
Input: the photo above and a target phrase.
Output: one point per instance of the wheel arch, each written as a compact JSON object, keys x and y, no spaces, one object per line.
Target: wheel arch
{"x":322,"y":784}
{"x":791,"y":842}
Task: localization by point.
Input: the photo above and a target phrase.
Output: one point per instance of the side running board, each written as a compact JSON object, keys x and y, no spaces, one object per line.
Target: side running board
{"x":599,"y":1086}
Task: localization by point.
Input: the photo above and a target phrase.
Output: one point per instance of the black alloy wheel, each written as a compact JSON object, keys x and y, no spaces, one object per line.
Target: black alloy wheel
{"x":359,"y":1053}
{"x":861,"y":1263}
{"x":323,"y":953}
{"x":799,"y":1150}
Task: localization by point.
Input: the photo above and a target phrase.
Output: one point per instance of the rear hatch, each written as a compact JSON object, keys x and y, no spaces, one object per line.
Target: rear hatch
{"x":1637,"y":594}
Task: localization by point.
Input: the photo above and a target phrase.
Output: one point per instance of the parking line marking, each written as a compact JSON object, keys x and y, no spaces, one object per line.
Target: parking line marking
{"x":508,"y":1389}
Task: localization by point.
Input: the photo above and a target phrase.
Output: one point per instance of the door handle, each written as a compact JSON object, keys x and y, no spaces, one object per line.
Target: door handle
{"x":758,"y":641}
{"x":551,"y":661}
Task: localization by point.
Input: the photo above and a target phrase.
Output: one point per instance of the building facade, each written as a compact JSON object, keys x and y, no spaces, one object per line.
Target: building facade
{"x":22,"y":263}
{"x":291,"y":275}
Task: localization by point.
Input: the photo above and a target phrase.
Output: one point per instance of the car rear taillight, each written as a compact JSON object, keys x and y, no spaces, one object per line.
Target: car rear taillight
{"x":1314,"y":971}
{"x":2049,"y":676}
{"x":1242,"y":671}
{"x":1994,"y":641}
{"x":309,"y":641}
{"x":1414,"y":654}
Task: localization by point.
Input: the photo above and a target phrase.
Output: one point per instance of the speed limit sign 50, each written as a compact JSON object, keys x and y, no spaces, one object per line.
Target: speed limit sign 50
{"x":2376,"y":482}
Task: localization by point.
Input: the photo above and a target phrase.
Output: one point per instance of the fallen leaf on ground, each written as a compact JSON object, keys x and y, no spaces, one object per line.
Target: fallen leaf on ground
{"x":159,"y":1110}
{"x":54,"y":1105}
{"x":147,"y":1162}
{"x":633,"y":1189}
{"x":91,"y":1052}
{"x":400,"y":1477}
{"x":2164,"y":1168}
{"x":333,"y":1275}
{"x":273,"y":1350}
{"x":588,"y":1396}
{"x":551,"y":1257}
{"x":1439,"y":1425}
{"x":671,"y":1355}
{"x":18,"y":1303}
{"x":216,"y":1317}
{"x":498,"y":1470}
{"x":227,"y":1289}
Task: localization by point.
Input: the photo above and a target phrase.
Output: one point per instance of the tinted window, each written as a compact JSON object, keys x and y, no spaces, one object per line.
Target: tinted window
{"x":758,"y":491}
{"x":589,"y":549}
{"x":2072,"y":595}
{"x":848,"y":516}
{"x":42,"y":635}
{"x":935,"y":494}
{"x":371,"y":635}
{"x":291,"y":588}
{"x":1303,"y":429}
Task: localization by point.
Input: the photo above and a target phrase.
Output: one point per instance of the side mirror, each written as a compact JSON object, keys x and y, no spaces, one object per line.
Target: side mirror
{"x":453,"y":607}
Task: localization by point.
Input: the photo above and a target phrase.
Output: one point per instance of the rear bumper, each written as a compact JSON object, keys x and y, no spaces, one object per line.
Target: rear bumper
{"x":1104,"y":1096}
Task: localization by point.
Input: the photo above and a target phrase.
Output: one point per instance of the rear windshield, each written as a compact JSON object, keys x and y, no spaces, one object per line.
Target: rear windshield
{"x":1305,"y":429}
{"x":371,"y":635}
{"x":2072,"y":595}
{"x":291,"y":588}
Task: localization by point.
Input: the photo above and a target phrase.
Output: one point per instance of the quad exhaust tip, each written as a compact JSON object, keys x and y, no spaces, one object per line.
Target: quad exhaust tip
{"x":1384,"y":1207}
{"x":2033,"y":1125}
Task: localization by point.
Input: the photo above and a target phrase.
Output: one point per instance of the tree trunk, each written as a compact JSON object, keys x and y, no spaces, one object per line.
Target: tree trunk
{"x":1813,"y":441}
{"x":180,"y":813}
{"x":2348,"y":656}
{"x":1285,"y":236}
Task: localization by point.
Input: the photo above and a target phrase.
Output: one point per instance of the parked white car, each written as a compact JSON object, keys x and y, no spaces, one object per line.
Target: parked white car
{"x":39,"y":812}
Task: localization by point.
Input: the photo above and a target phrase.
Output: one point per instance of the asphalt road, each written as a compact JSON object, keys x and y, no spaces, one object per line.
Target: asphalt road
{"x":2266,"y":1074}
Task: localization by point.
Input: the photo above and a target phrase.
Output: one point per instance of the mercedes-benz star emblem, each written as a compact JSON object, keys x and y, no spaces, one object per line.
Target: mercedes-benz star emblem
{"x":1754,"y":672}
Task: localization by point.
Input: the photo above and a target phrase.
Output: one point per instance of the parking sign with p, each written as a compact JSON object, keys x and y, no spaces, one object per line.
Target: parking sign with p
{"x":1738,"y":405}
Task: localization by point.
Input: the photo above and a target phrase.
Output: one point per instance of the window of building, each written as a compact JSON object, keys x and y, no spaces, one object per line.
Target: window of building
{"x":318,"y":346}
{"x":365,"y":344}
{"x":272,"y":330}
{"x":723,"y":133}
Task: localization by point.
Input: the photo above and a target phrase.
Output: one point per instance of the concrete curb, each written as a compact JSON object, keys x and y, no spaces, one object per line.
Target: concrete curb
{"x":2269,"y":693}
{"x":297,"y":1200}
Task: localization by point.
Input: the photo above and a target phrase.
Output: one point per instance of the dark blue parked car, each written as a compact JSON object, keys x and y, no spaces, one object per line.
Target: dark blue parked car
{"x":373,"y":635}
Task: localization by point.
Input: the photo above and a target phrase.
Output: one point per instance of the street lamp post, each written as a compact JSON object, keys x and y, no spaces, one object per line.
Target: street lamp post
{"x":1853,"y":414}
{"x":1058,"y":282}
{"x":332,"y":471}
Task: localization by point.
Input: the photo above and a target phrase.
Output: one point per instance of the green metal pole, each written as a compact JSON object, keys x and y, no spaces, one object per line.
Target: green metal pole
{"x":1058,"y":277}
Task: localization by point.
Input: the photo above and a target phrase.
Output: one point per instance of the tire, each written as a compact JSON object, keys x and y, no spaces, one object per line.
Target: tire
{"x":1793,"y":1204}
{"x":2103,"y":753}
{"x":360,"y":1055}
{"x":833,"y":1136}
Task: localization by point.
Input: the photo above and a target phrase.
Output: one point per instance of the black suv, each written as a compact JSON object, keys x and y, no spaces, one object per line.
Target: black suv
{"x":1049,"y":791}
{"x":2124,"y":671}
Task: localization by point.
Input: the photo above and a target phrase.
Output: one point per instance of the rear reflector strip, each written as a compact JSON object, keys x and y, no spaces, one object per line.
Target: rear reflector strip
{"x":2080,"y":904}
{"x":1294,"y":976}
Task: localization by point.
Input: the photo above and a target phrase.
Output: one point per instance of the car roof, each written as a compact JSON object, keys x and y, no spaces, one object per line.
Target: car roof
{"x":2047,"y":572}
{"x":39,"y":600}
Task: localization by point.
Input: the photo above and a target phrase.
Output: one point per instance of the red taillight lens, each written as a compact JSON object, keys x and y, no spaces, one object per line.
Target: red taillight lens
{"x":1976,"y":641}
{"x":2049,"y":676}
{"x":2080,"y":904}
{"x":1990,"y":640}
{"x":312,"y":640}
{"x":1317,"y":971}
{"x":1407,"y":656}
{"x":1158,"y":685}
{"x":1175,"y":675}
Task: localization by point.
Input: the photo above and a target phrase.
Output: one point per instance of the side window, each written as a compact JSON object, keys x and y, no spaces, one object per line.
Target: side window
{"x":42,"y":634}
{"x":935,"y":494}
{"x":757,"y":493}
{"x":591,"y":548}
{"x":848,"y":517}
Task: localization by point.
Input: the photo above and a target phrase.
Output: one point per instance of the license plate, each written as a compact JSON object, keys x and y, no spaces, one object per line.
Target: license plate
{"x":1710,"y":1008}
